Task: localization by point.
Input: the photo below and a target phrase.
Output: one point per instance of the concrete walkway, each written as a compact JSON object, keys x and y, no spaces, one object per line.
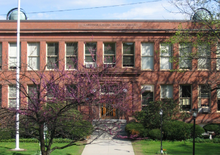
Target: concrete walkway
{"x":109,"y":147}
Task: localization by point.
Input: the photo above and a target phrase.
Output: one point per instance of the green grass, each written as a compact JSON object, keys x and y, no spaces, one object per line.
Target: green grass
{"x":145,"y":147}
{"x":32,"y":148}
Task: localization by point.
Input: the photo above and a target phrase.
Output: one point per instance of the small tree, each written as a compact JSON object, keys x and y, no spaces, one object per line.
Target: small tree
{"x":66,"y":102}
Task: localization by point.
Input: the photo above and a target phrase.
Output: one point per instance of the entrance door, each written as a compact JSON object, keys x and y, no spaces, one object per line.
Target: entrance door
{"x":107,"y":111}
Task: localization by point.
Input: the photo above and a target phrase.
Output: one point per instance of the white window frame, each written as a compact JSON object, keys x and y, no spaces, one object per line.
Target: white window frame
{"x":185,"y":50}
{"x":149,"y":54}
{"x":73,"y":56}
{"x":144,"y":89}
{"x":33,"y":86}
{"x":109,"y":64}
{"x":53,"y":56}
{"x":204,"y":53}
{"x":168,"y":94}
{"x":12,"y":64}
{"x":36,"y":56}
{"x":129,"y":55}
{"x":201,"y":97}
{"x":0,"y":56}
{"x":90,"y":64}
{"x":185,"y":100}
{"x":166,"y":54}
{"x":12,"y":96}
{"x":218,"y":98}
{"x":218,"y":56}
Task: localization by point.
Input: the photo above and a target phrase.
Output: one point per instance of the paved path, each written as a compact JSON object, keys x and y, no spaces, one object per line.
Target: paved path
{"x":109,"y":147}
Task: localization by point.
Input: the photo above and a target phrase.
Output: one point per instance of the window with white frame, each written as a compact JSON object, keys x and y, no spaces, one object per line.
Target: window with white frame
{"x":52,"y":55}
{"x":0,"y":55}
{"x":52,"y":92}
{"x":185,"y":97}
{"x":218,"y":57}
{"x":109,"y":54}
{"x":166,"y":91}
{"x":218,"y":98}
{"x":12,"y":60}
{"x":204,"y":54}
{"x":165,"y":56}
{"x":204,"y":98}
{"x":71,"y":95}
{"x":12,"y":96}
{"x":33,"y":56}
{"x":185,"y":60}
{"x":147,"y":56}
{"x":32,"y":94}
{"x":147,"y":95}
{"x":90,"y":54}
{"x":128,"y":54}
{"x":71,"y":55}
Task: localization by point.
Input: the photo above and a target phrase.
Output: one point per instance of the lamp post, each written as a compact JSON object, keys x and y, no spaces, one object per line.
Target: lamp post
{"x":161,"y":136}
{"x":194,"y":124}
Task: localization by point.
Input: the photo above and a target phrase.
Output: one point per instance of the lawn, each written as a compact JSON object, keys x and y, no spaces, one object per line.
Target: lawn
{"x":33,"y":148}
{"x":145,"y":147}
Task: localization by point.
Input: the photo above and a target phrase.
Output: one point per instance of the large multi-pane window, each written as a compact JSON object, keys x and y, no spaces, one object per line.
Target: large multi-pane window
{"x":12,"y":96}
{"x":166,"y":91}
{"x":0,"y":55}
{"x":90,"y":54}
{"x":218,"y":98}
{"x":32,"y":94}
{"x":165,"y":56}
{"x":12,"y":58}
{"x":204,"y":98}
{"x":185,"y":60}
{"x":109,"y":54}
{"x":147,"y":56}
{"x":128,"y":54}
{"x":33,"y":56}
{"x":71,"y":55}
{"x":185,"y":97}
{"x":204,"y":54}
{"x":71,"y":95}
{"x":218,"y":57}
{"x":147,"y":95}
{"x":52,"y":55}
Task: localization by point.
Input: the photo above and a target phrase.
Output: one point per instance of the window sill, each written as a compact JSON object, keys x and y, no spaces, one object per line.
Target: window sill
{"x":147,"y":70}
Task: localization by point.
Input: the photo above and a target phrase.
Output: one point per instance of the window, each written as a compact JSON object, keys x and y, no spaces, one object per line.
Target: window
{"x":0,"y":55}
{"x":32,"y":93}
{"x":52,"y":92}
{"x":204,"y":98}
{"x":71,"y":55}
{"x":218,"y":98}
{"x":147,"y":95}
{"x":218,"y":57}
{"x":52,"y":55}
{"x":13,"y":55}
{"x":185,"y":97}
{"x":147,"y":56}
{"x":33,"y":56}
{"x":166,"y":91}
{"x":109,"y":54}
{"x":165,"y":55}
{"x":128,"y":54}
{"x":185,"y":61}
{"x":204,"y":56}
{"x":71,"y":95}
{"x":12,"y":96}
{"x":90,"y":55}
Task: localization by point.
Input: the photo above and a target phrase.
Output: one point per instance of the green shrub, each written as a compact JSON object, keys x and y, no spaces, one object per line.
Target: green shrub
{"x":155,"y":134}
{"x":212,"y":127}
{"x":135,"y":128}
{"x":5,"y":134}
{"x":198,"y":130}
{"x":176,"y":130}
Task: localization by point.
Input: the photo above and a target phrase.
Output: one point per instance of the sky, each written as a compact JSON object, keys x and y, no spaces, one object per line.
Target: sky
{"x":94,"y":9}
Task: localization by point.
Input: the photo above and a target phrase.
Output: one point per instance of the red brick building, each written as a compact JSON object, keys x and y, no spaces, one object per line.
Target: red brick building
{"x":137,"y":44}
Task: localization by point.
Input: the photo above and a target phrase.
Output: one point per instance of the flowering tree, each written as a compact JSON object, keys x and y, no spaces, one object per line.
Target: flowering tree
{"x":64,"y":103}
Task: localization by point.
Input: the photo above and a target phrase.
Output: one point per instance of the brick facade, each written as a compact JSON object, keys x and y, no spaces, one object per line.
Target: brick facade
{"x":117,"y":32}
